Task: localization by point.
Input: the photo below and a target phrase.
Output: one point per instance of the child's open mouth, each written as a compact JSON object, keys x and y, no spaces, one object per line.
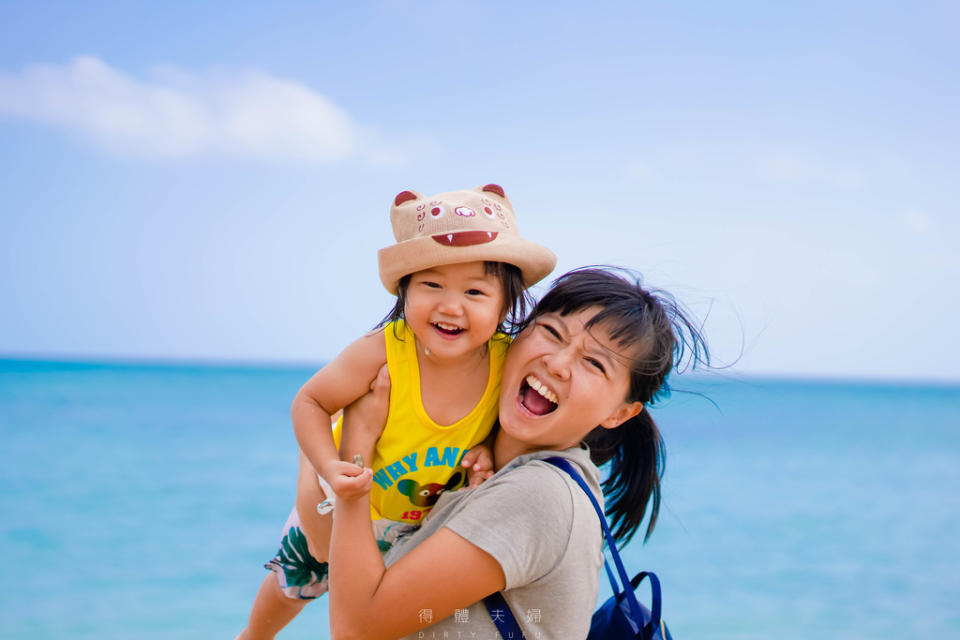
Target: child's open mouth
{"x":450,"y":330}
{"x":536,"y":397}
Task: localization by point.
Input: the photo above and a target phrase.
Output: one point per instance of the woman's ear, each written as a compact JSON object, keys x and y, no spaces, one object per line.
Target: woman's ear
{"x":626,"y":411}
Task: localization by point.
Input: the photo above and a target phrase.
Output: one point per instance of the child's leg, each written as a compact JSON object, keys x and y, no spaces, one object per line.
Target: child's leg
{"x":315,"y":527}
{"x":296,"y":577}
{"x":272,"y":610}
{"x":302,"y":558}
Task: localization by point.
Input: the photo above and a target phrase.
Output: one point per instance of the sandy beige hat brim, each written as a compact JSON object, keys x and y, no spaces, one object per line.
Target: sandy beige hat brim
{"x":396,"y":261}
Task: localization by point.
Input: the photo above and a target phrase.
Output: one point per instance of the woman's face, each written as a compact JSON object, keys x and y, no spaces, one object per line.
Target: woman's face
{"x":560,"y":381}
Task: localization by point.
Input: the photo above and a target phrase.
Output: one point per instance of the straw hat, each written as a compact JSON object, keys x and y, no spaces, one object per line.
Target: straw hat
{"x":455,"y":227}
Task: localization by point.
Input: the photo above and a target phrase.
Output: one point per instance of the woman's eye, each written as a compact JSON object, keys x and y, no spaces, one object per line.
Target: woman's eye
{"x":596,"y":363}
{"x":553,"y":332}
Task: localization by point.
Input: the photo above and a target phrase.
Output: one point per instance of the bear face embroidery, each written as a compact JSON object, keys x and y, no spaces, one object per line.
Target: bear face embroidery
{"x":475,"y":217}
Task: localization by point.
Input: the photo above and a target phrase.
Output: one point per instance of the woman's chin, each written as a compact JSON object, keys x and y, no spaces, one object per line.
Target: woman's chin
{"x":524,"y":425}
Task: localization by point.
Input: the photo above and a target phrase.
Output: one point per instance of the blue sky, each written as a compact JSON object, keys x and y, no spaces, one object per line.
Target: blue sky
{"x":213,"y":182}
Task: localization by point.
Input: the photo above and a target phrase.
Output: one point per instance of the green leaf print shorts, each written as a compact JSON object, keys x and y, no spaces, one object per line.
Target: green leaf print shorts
{"x":303,"y":577}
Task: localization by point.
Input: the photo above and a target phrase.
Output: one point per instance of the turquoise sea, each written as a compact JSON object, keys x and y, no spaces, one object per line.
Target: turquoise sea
{"x":140,"y":501}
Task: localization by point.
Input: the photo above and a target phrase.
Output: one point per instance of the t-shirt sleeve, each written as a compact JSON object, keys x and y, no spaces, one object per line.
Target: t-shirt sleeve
{"x":523,"y":519}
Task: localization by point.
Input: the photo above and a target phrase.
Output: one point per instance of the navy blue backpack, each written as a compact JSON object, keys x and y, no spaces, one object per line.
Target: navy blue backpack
{"x":622,"y":616}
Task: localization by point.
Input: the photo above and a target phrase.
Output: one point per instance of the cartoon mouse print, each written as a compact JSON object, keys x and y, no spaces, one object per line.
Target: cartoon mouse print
{"x":426,"y":495}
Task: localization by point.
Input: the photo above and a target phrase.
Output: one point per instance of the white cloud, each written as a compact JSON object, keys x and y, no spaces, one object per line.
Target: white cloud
{"x":176,"y":113}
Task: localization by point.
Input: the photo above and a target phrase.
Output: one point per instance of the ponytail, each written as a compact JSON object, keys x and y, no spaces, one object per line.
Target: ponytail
{"x":637,"y":459}
{"x":662,"y":337}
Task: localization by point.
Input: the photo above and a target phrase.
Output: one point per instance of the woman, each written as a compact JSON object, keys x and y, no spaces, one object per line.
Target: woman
{"x":595,"y":351}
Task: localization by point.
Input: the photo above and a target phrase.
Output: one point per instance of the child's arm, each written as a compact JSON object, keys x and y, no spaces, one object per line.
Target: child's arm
{"x":360,"y":438}
{"x":343,"y":380}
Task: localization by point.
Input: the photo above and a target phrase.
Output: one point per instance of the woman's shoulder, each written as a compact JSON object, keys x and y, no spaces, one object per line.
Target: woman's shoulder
{"x":538,"y":464}
{"x":530,"y":482}
{"x":546,"y":518}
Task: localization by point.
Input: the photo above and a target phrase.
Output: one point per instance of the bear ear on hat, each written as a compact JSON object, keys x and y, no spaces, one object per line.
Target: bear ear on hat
{"x":494,"y":188}
{"x":404,"y":196}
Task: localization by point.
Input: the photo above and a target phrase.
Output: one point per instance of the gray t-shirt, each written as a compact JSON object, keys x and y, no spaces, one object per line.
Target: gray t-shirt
{"x":540,"y":526}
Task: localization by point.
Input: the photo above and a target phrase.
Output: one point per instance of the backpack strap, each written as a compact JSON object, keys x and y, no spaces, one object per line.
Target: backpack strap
{"x":655,"y":619}
{"x":564,"y":465}
{"x":502,"y":616}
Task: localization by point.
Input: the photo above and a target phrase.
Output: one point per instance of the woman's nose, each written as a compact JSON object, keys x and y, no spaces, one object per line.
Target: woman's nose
{"x":558,"y":363}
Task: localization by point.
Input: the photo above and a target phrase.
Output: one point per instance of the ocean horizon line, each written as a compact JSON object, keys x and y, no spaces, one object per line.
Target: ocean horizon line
{"x":725,"y":375}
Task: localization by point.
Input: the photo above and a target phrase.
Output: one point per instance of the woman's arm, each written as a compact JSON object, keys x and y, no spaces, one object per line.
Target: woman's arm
{"x":444,"y":573}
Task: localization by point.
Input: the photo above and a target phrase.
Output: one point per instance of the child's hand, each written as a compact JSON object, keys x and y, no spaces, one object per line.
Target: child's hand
{"x":347,"y":479}
{"x":479,"y":464}
{"x":352,"y":487}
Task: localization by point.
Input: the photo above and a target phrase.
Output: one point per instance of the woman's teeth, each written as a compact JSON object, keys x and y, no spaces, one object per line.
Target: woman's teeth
{"x":542,"y":389}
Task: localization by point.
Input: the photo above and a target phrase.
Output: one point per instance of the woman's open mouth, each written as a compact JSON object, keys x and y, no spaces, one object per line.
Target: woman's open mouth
{"x":536,"y":397}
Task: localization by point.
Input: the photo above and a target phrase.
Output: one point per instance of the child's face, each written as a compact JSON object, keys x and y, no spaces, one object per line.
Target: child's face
{"x":454,"y":309}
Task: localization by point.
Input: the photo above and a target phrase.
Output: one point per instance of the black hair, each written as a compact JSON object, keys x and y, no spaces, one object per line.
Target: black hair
{"x":516,"y":299}
{"x":661,"y":336}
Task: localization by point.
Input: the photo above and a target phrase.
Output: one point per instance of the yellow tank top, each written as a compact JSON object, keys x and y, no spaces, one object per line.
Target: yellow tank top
{"x":416,"y":459}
